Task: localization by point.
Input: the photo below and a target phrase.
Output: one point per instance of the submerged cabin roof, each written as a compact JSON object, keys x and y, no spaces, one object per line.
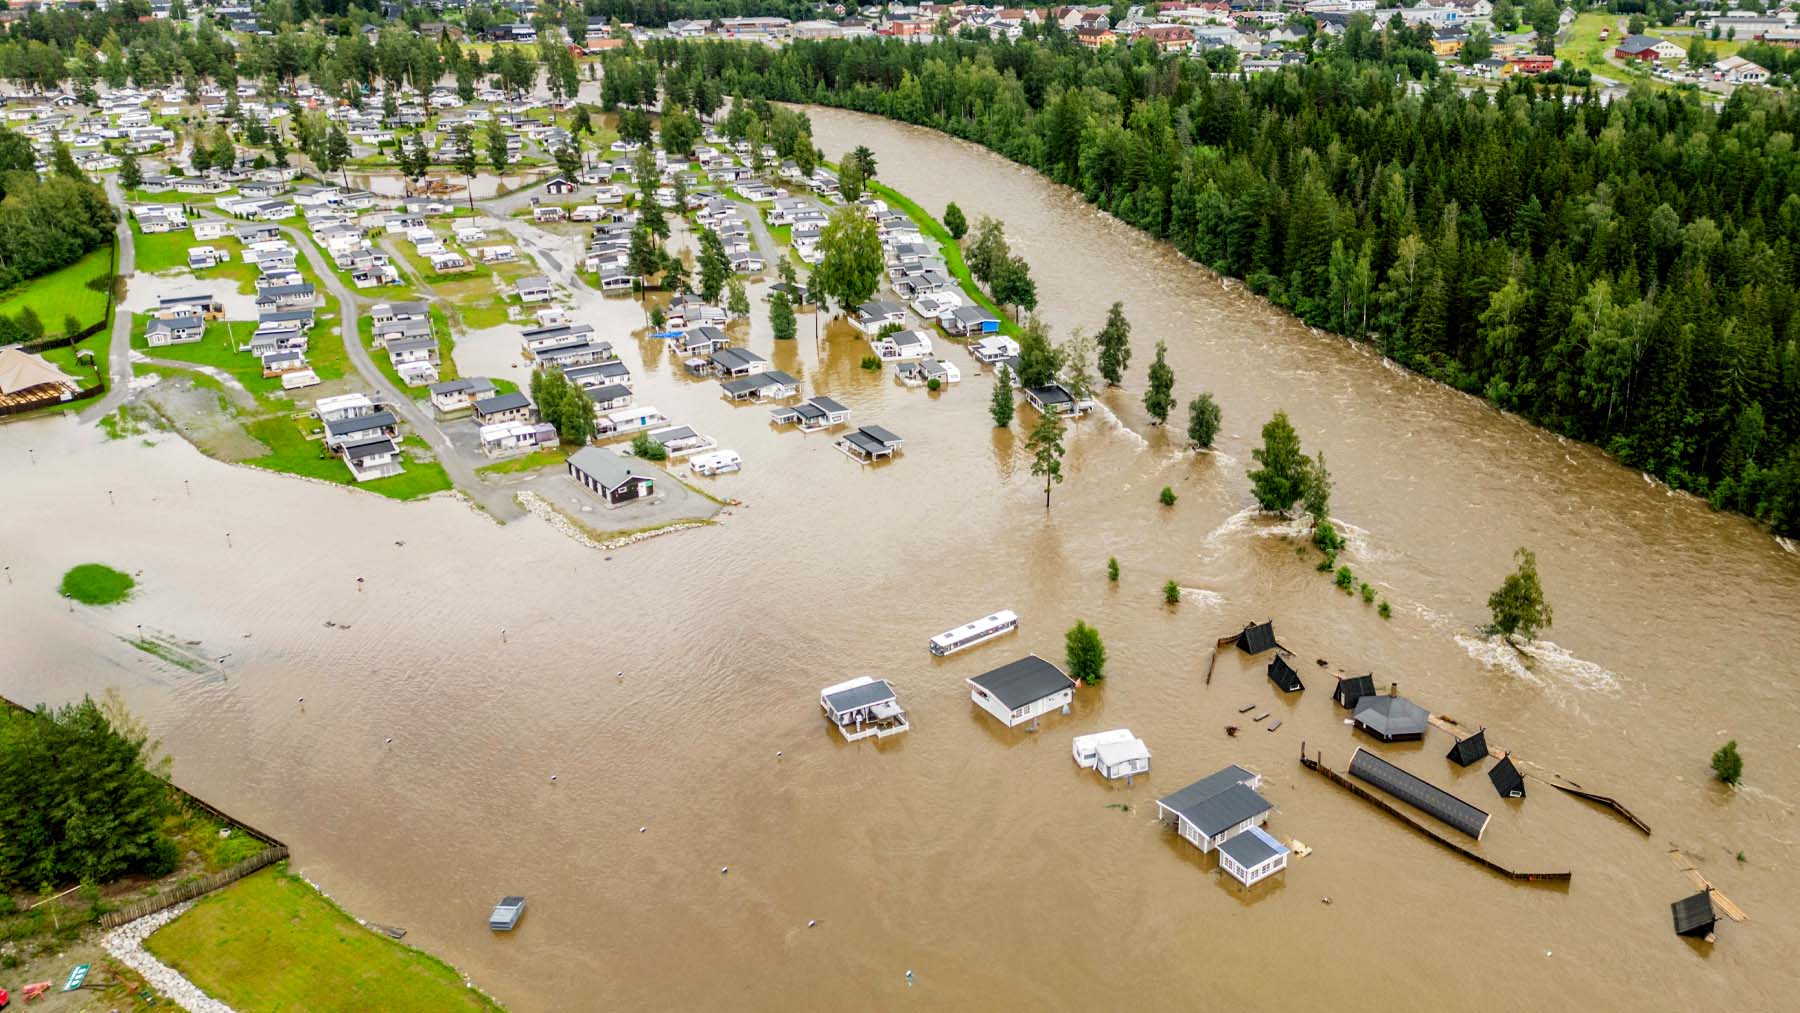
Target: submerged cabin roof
{"x":1507,"y":779}
{"x":1257,"y":638}
{"x":1023,"y":682}
{"x":856,"y":697}
{"x":1694,"y":915}
{"x":1192,"y":798}
{"x":1470,"y":750}
{"x":1214,"y":812}
{"x":1391,"y":717}
{"x":1420,"y":794}
{"x":1283,"y":675}
{"x":1350,"y":691}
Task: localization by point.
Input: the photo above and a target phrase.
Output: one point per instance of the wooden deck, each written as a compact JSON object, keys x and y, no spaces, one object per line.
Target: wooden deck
{"x":1720,"y":901}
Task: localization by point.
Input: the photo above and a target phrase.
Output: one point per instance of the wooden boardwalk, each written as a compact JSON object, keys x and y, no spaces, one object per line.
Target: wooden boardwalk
{"x":1720,"y":901}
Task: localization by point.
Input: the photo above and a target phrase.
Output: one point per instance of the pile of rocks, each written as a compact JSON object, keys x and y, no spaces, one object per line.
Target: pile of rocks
{"x":126,"y":944}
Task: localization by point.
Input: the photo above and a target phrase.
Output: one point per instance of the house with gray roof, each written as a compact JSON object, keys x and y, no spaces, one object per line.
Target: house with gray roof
{"x":615,"y":479}
{"x":1215,"y":808}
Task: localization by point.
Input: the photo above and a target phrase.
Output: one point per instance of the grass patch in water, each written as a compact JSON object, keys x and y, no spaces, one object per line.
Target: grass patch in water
{"x":165,"y":651}
{"x":270,"y":941}
{"x":96,"y":584}
{"x":291,"y":452}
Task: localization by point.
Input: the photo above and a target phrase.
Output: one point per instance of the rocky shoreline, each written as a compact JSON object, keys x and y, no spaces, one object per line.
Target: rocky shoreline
{"x":126,"y":944}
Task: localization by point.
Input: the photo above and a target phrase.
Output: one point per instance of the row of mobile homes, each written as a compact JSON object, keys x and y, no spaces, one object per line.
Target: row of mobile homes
{"x":456,"y":397}
{"x":863,"y":707}
{"x":717,"y":462}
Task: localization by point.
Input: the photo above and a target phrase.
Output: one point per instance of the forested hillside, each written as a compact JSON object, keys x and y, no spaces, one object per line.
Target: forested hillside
{"x":1625,"y":273}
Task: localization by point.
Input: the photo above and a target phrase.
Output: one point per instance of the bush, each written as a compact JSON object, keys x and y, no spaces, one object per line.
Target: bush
{"x":648,"y":449}
{"x":1383,"y":610}
{"x":1727,"y":765}
{"x":1368,"y":593}
{"x":1112,"y":569}
{"x":1345,"y":578}
{"x":1167,"y":497}
{"x":934,"y":384}
{"x":1171,"y":593}
{"x":1084,"y":653}
{"x":96,"y":584}
{"x":871,"y":363}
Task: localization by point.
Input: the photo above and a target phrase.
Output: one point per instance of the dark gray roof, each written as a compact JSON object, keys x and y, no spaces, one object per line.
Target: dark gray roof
{"x":1023,"y":682}
{"x":860,"y":696}
{"x":1507,"y":779}
{"x":1283,"y":675}
{"x":1353,"y":689}
{"x":605,"y":467}
{"x":1054,"y":393}
{"x":734,"y":358}
{"x":674,"y":433}
{"x":1218,"y":813}
{"x":369,"y":448}
{"x":827,"y":404}
{"x":1694,"y":915}
{"x":1207,"y":787}
{"x":865,"y":443}
{"x":1257,"y":638}
{"x":1473,"y":749}
{"x":1420,"y":794}
{"x":502,"y":403}
{"x":880,"y":435}
{"x":379,"y":420}
{"x":1248,"y":850}
{"x":1391,"y":717}
{"x":470,"y":384}
{"x":610,"y":392}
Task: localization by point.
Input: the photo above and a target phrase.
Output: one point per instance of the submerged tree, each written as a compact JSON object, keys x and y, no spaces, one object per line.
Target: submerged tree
{"x":1159,"y":399}
{"x":1282,"y":478}
{"x":851,"y":266}
{"x":781,"y":316}
{"x":1002,"y":404}
{"x":1038,"y":362}
{"x":1114,"y":340}
{"x":1046,"y":446}
{"x":1203,"y":420}
{"x":1084,"y":653}
{"x":1727,"y":765}
{"x":1518,"y":607}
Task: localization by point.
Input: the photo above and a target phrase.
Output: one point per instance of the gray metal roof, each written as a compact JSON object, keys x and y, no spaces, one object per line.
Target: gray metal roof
{"x":1420,"y":794}
{"x":509,"y":401}
{"x":846,"y":700}
{"x":370,"y":448}
{"x":1227,"y":809}
{"x":606,"y":467}
{"x":1249,"y":849}
{"x":1211,"y":786}
{"x":356,"y":424}
{"x":880,"y":435}
{"x":826,"y":404}
{"x":1391,"y":717}
{"x":1024,"y":681}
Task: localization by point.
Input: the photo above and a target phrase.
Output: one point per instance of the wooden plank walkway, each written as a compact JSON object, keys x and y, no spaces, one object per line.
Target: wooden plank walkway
{"x":1722,"y":902}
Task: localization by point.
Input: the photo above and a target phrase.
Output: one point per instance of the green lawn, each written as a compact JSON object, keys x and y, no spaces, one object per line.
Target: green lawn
{"x":1585,"y":50}
{"x":96,"y":584}
{"x":219,"y":348}
{"x":365,"y":329}
{"x":68,"y":359}
{"x":168,"y":251}
{"x":953,"y":257}
{"x":60,"y":295}
{"x":552,"y":457}
{"x":271,"y":942}
{"x":292,"y":453}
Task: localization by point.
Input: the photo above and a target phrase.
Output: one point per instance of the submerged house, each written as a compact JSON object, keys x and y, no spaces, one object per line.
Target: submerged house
{"x":1418,"y":793}
{"x":1112,"y":754}
{"x":1284,"y":677}
{"x":1252,"y":856}
{"x":862,"y":707}
{"x":1390,"y":718}
{"x":1350,"y":691}
{"x":1473,"y":749}
{"x":870,"y":443}
{"x":1694,"y":915}
{"x":1215,"y":808}
{"x":1022,"y":690}
{"x":1507,"y":779}
{"x":1254,"y":638}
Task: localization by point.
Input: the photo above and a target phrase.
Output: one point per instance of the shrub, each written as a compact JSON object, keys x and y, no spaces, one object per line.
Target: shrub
{"x":648,"y":449}
{"x":934,"y":384}
{"x":1171,"y":593}
{"x":1112,"y":569}
{"x":1345,"y":578}
{"x":97,"y":584}
{"x":1084,"y":653}
{"x":871,"y":363}
{"x":1727,"y":765}
{"x":1167,"y":497}
{"x":1368,"y":593}
{"x":1383,"y":610}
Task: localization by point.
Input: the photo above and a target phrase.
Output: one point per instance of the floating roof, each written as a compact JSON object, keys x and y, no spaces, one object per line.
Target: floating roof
{"x":1283,"y":675}
{"x":1694,"y":915}
{"x":1470,"y":750}
{"x":1408,"y":788}
{"x":1507,"y":779}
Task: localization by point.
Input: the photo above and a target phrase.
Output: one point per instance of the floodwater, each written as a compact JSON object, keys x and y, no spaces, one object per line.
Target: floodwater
{"x":672,"y":685}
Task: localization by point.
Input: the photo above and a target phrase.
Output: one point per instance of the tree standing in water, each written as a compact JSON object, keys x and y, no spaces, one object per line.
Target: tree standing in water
{"x":1203,"y":420}
{"x":1518,"y":607}
{"x":1114,"y":340}
{"x":1282,"y":478}
{"x":1084,"y":653}
{"x":1046,"y":446}
{"x":1160,"y":398}
{"x":1002,"y":404}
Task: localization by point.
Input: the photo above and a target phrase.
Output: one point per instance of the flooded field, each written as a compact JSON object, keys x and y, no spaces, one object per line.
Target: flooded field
{"x":671,"y":686}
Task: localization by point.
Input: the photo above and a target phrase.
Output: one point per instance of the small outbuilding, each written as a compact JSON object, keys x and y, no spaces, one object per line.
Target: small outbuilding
{"x":1254,"y":638}
{"x":1284,"y":677}
{"x":862,"y":707}
{"x":1252,"y":856}
{"x":1350,"y":691}
{"x":1473,"y":749}
{"x":1391,"y":718}
{"x":1507,"y":779}
{"x":1694,"y":916}
{"x":608,"y":474}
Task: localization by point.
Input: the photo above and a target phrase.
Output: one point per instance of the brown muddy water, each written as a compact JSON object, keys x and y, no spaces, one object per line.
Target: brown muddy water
{"x":981,"y":859}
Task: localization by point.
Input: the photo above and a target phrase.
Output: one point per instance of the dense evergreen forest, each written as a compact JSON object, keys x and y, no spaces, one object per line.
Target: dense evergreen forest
{"x":1624,"y":273}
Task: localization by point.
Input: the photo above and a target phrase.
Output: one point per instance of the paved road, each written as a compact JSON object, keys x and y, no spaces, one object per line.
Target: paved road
{"x":120,"y":357}
{"x":498,"y":503}
{"x":765,"y":244}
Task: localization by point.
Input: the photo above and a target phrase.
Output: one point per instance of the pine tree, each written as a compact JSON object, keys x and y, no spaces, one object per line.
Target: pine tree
{"x":131,"y":176}
{"x":1002,"y":406}
{"x":781,"y":316}
{"x":1159,"y":400}
{"x":954,"y":222}
{"x":1046,"y":446}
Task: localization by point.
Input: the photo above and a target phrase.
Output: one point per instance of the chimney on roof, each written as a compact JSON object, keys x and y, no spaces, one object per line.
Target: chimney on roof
{"x":1393,"y":689}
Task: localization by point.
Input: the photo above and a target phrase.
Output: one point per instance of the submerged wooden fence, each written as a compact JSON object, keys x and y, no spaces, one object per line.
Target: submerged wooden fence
{"x":1315,"y":765}
{"x":193,"y":888}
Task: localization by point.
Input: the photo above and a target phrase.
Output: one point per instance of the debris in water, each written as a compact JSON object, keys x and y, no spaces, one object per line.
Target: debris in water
{"x":642,"y":829}
{"x":1247,"y":708}
{"x":1322,"y":662}
{"x":813,"y":924}
{"x":552,"y":777}
{"x":1300,"y":850}
{"x":1231,"y":730}
{"x":723,"y":869}
{"x":1275,"y":724}
{"x":1259,"y":717}
{"x":1325,"y":900}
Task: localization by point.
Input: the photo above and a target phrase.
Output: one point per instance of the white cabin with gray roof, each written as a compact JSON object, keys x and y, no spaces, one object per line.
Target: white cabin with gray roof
{"x":863,"y":707}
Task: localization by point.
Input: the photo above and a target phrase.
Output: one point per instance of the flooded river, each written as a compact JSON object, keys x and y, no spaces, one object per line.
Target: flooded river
{"x":672,"y":685}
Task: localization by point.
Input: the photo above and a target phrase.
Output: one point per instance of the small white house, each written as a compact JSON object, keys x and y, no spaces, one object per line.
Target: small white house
{"x":994,"y":348}
{"x":1112,"y":754}
{"x":343,"y":406}
{"x":535,"y":288}
{"x":1023,"y":690}
{"x":862,"y":707}
{"x":1252,"y":856}
{"x":1215,"y":808}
